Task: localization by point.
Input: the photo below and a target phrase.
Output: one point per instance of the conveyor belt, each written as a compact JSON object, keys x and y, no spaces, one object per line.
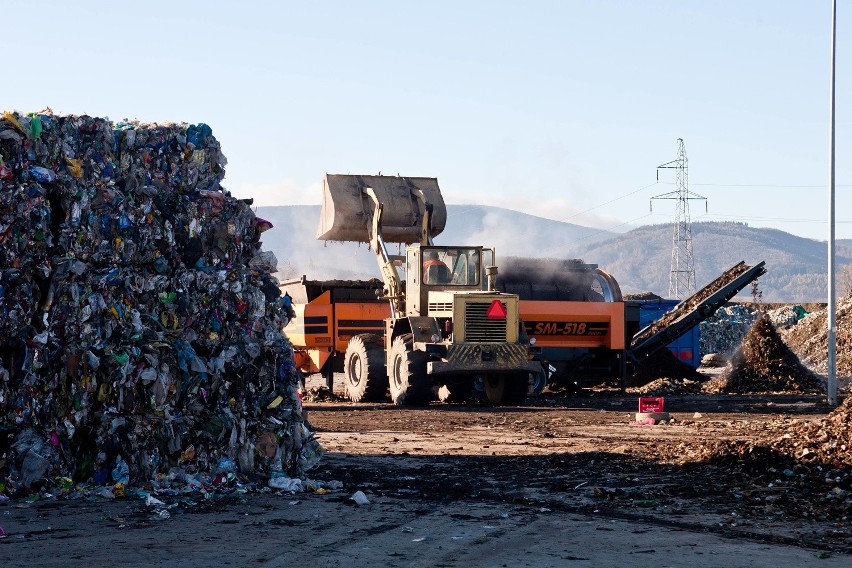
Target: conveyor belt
{"x":694,"y":310}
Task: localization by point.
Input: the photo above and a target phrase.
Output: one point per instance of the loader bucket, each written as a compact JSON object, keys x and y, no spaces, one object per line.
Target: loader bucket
{"x":347,"y":211}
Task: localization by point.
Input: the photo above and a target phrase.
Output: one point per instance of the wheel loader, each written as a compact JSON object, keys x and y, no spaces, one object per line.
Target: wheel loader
{"x":449,"y":331}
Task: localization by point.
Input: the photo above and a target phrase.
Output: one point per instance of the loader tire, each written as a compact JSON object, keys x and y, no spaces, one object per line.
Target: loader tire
{"x":366,"y":379}
{"x":508,"y":389}
{"x":409,"y":384}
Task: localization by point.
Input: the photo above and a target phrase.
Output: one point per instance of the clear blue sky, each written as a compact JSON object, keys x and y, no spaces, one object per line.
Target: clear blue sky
{"x":563,"y":109}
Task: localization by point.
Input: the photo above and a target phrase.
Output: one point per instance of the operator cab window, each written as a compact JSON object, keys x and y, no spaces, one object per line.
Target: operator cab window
{"x":451,"y":266}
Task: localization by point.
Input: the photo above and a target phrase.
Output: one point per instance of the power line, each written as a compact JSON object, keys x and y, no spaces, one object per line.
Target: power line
{"x":785,"y":219}
{"x":620,"y":197}
{"x":766,"y":185}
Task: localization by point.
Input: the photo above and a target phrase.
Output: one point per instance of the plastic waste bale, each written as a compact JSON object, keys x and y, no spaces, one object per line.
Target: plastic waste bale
{"x":140,"y":326}
{"x":724,"y":330}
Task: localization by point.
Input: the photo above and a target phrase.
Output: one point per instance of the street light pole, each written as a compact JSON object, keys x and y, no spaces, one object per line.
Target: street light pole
{"x":831,"y":386}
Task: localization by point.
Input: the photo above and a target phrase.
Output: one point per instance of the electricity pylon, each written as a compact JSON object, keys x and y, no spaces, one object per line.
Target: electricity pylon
{"x":682,"y":276}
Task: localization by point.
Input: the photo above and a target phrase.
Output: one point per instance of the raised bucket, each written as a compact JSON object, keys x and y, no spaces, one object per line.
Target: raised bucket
{"x":347,"y":211}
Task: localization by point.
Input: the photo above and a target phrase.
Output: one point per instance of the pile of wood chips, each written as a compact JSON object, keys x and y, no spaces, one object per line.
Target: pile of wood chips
{"x":764,"y":363}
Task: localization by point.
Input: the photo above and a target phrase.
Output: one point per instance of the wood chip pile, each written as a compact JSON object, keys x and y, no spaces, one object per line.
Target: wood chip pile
{"x":764,"y":363}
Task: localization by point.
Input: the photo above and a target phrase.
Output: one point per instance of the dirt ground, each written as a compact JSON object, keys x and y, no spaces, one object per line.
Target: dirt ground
{"x":564,"y":480}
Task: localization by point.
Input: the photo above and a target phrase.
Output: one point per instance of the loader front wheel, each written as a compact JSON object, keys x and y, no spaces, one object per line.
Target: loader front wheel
{"x":508,"y":389}
{"x":409,"y":384}
{"x":364,"y":368}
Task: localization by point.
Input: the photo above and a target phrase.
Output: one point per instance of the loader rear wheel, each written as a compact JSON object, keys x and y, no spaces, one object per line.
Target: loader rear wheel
{"x":364,"y":368}
{"x":509,"y":389}
{"x":409,"y":384}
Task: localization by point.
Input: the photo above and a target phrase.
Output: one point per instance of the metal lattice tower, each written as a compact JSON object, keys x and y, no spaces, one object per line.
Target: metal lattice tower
{"x":682,"y":276}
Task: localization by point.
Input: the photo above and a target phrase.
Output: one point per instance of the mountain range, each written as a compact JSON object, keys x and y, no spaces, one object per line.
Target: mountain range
{"x":640,"y":259}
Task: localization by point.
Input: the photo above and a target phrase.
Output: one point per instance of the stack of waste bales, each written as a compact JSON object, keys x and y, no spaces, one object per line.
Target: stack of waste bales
{"x":725,"y":329}
{"x":140,"y":328}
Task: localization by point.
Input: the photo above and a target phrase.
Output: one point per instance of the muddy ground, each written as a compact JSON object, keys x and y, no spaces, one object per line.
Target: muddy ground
{"x":565,"y":480}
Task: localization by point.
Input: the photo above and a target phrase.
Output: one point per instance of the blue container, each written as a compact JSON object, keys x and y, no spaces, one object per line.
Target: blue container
{"x":685,"y":347}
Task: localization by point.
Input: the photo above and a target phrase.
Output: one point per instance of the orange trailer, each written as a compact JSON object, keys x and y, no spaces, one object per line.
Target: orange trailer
{"x":328,"y":314}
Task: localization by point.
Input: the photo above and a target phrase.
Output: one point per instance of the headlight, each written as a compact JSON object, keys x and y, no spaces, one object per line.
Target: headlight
{"x":532,"y":340}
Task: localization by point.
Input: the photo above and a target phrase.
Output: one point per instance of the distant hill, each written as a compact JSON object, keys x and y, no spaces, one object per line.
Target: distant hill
{"x":640,"y":260}
{"x":796,"y":267}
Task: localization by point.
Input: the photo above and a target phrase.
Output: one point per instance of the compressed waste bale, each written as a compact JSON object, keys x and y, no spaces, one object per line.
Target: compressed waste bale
{"x":724,"y":330}
{"x":764,"y":363}
{"x":786,"y":316}
{"x":140,"y":326}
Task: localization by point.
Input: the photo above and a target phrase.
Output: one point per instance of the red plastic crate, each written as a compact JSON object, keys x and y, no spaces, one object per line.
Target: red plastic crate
{"x":651,"y":403}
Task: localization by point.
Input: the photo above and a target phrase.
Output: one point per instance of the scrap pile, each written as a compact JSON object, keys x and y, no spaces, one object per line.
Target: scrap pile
{"x":724,"y":330}
{"x":786,"y":317}
{"x":809,"y":338}
{"x":139,"y":324}
{"x":764,"y":363}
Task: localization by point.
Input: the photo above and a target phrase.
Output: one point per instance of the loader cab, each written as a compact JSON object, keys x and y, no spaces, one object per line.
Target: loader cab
{"x":434,"y":273}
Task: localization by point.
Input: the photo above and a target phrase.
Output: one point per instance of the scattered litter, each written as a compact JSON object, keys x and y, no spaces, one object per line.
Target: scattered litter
{"x":285,"y":483}
{"x":150,"y":500}
{"x":360,"y":498}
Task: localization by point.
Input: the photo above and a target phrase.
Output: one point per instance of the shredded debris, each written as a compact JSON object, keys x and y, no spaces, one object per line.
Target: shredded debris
{"x":321,"y":394}
{"x":662,"y":364}
{"x":809,"y":338}
{"x":666,"y":386}
{"x":764,"y":363}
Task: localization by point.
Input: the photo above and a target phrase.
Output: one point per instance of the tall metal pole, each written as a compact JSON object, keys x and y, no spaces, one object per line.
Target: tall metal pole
{"x":832,"y":332}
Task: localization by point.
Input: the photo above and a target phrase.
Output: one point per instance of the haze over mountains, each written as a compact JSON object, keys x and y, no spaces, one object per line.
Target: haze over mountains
{"x":640,"y":260}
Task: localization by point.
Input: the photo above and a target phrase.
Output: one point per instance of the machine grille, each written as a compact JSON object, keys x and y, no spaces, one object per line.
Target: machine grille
{"x":440,"y":306}
{"x":478,"y":327}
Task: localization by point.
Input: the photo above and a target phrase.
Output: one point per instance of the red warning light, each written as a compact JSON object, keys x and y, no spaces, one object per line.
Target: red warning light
{"x":496,"y":310}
